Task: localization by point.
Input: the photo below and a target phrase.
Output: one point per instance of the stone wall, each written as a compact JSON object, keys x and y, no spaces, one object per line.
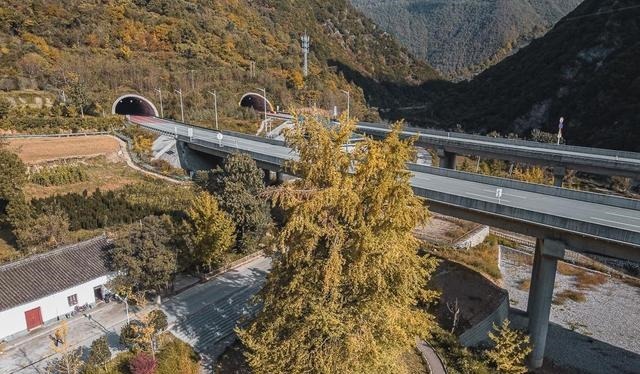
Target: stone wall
{"x":473,"y":238}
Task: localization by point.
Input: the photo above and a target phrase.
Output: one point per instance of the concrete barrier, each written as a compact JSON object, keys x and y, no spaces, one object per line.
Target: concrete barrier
{"x":473,"y":238}
{"x":530,"y":187}
{"x":479,"y":333}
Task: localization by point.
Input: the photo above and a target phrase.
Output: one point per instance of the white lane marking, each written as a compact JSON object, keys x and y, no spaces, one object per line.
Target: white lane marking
{"x":506,"y":194}
{"x":487,"y":197}
{"x":616,"y":222}
{"x":623,"y":216}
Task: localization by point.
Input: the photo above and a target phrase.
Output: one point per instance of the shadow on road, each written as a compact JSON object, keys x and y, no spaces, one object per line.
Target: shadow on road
{"x":208,"y":313}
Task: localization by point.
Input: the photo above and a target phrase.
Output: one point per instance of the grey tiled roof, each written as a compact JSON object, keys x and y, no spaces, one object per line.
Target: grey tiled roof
{"x":41,"y":275}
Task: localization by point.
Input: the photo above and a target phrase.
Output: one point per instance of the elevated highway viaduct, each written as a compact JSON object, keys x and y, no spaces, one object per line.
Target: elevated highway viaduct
{"x":559,"y":218}
{"x":560,"y":157}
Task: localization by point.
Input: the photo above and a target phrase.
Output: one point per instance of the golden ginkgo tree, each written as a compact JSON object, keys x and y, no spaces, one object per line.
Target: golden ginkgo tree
{"x":347,"y":277}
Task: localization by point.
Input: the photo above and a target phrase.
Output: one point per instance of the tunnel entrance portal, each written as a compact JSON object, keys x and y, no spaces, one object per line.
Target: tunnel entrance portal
{"x":255,"y":101}
{"x":135,"y":105}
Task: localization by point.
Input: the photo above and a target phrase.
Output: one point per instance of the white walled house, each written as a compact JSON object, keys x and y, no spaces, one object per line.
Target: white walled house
{"x":44,"y":288}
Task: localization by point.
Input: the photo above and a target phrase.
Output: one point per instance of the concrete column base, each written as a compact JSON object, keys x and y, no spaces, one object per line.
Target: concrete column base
{"x":548,"y":251}
{"x":447,"y":159}
{"x":280,"y":177}
{"x":267,"y":177}
{"x":558,"y":176}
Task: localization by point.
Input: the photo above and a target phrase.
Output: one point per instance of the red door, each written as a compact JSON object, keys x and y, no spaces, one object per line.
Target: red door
{"x":34,"y":318}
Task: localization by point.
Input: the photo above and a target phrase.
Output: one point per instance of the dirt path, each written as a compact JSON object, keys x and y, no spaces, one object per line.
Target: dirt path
{"x":124,"y":154}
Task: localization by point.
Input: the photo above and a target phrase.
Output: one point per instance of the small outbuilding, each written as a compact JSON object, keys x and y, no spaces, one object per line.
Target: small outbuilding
{"x":44,"y":288}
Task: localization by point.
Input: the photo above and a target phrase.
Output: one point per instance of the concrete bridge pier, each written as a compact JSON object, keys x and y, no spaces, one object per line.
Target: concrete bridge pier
{"x":558,"y":175}
{"x":279,"y":177}
{"x":267,"y":176}
{"x":543,"y":277}
{"x":447,"y":159}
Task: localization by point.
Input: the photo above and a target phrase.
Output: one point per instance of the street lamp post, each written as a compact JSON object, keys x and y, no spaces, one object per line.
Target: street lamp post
{"x":264,"y":96}
{"x":124,"y":300}
{"x":179,"y":92}
{"x":161,"y":109}
{"x":348,"y":103}
{"x":215,"y":106}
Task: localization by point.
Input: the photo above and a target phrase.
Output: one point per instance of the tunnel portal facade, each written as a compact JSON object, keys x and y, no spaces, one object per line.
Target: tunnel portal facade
{"x":255,"y":101}
{"x":133,"y":104}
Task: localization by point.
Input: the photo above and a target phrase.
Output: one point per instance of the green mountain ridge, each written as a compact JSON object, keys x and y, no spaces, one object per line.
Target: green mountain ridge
{"x":463,"y":38}
{"x":585,"y":69}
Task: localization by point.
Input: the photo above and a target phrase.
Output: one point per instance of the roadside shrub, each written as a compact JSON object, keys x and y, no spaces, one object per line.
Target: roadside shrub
{"x":59,"y":175}
{"x":129,"y":334}
{"x":510,"y":349}
{"x":142,"y":363}
{"x":158,"y":320}
{"x":177,"y":357}
{"x":55,"y":125}
{"x":99,"y":353}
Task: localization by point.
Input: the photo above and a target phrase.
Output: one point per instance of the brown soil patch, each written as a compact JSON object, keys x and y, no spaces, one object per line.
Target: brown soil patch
{"x":443,"y":230}
{"x":37,"y":150}
{"x":477,"y":297}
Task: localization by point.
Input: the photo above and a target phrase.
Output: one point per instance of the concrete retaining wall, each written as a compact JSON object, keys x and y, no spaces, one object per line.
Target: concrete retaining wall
{"x":479,"y":333}
{"x":473,"y":238}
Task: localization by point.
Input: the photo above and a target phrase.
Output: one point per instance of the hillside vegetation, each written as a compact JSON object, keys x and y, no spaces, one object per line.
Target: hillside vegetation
{"x":95,"y":51}
{"x":463,"y":38}
{"x":585,"y":69}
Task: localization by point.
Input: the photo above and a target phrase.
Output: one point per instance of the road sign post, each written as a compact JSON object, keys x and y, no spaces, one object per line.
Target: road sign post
{"x":219,"y":136}
{"x":560,"y":126}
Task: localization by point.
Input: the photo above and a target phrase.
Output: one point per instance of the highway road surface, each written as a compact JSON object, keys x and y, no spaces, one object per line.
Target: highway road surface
{"x":505,"y":145}
{"x":623,"y":220}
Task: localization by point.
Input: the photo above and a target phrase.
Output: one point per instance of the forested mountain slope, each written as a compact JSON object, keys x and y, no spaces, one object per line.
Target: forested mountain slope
{"x":585,"y":69}
{"x":462,"y":38}
{"x":102,"y":48}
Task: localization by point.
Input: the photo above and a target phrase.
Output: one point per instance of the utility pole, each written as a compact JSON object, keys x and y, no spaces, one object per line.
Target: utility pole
{"x":264,"y":96}
{"x":193,"y":84}
{"x":161,"y":109}
{"x":348,"y":103}
{"x":305,"y":50}
{"x":252,"y":69}
{"x":215,"y":106}
{"x":560,"y":126}
{"x":179,"y":92}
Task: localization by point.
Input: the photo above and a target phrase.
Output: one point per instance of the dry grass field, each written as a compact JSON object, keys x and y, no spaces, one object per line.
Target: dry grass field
{"x":39,"y":150}
{"x":105,"y":174}
{"x":100,"y":156}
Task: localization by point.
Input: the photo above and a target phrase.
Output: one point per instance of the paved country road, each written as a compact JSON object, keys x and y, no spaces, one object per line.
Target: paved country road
{"x":203,"y":315}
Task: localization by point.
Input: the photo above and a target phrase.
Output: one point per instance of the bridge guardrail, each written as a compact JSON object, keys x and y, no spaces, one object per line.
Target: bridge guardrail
{"x":553,"y":221}
{"x":519,"y":142}
{"x":590,"y":197}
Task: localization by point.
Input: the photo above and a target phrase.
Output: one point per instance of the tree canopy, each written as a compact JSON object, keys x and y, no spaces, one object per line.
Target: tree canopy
{"x":143,"y":255}
{"x":210,"y":231}
{"x":346,"y":280}
{"x":238,"y":186}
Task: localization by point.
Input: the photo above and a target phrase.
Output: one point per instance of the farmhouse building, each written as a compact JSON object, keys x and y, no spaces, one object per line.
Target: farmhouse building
{"x":46,"y":287}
